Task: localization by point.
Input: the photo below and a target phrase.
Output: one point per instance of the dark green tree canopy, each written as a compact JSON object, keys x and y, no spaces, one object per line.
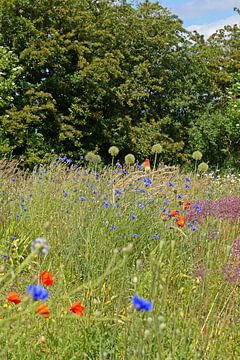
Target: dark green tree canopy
{"x":95,"y":74}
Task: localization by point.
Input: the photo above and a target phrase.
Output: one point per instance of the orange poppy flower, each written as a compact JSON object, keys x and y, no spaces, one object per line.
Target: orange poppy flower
{"x":174,"y":213}
{"x":43,"y":310}
{"x":186,"y":205}
{"x":180,"y":221}
{"x":14,"y":297}
{"x":147,"y":165}
{"x":46,"y":278}
{"x":1,"y":318}
{"x":77,"y":308}
{"x":164,"y":217}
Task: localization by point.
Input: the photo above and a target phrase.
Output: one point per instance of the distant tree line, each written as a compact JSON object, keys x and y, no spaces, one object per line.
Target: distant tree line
{"x":82,"y":75}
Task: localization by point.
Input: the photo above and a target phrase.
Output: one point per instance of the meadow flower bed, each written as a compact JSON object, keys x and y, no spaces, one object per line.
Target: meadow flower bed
{"x":119,"y":263}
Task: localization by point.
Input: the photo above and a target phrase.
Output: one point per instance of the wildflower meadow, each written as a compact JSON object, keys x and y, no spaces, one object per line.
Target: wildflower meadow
{"x":124,"y":262}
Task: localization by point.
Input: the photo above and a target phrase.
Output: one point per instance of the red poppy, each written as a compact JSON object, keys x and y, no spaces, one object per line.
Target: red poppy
{"x":43,"y":310}
{"x":164,"y":217}
{"x":174,"y":213}
{"x":77,"y":308}
{"x":14,"y":297}
{"x":147,"y":165}
{"x":180,"y":221}
{"x":46,"y":278}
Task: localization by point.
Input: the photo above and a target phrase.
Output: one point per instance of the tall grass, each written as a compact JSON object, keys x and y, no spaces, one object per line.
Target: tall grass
{"x":109,"y":241}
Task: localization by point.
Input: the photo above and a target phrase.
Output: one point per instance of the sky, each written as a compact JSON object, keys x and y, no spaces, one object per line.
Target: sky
{"x":205,"y":16}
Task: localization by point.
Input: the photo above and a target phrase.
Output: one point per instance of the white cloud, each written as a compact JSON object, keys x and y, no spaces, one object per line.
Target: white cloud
{"x":209,"y":29}
{"x":203,"y":7}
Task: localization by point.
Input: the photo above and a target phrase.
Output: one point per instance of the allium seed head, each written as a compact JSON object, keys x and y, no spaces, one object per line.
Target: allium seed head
{"x":203,"y":167}
{"x":113,"y":151}
{"x":129,"y":159}
{"x":197,"y":155}
{"x":93,"y":158}
{"x":157,"y":149}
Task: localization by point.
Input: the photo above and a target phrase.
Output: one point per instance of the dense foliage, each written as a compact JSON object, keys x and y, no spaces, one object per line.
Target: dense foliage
{"x":83,"y":75}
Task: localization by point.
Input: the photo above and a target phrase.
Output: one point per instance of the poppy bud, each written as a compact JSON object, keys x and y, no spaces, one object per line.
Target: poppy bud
{"x":147,"y":165}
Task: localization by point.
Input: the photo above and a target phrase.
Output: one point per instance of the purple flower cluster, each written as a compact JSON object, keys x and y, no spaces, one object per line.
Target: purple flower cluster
{"x":228,"y":207}
{"x":232,"y":269}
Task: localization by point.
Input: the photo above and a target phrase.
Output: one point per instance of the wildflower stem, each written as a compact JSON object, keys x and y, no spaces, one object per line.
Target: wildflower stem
{"x":109,"y":270}
{"x":17,"y":271}
{"x":154,"y":164}
{"x":209,"y":313}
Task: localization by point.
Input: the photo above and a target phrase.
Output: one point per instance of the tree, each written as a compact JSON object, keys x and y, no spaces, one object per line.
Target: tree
{"x":9,"y":74}
{"x":96,"y":73}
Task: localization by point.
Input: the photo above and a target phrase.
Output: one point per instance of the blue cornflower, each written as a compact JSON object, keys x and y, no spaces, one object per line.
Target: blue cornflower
{"x":113,"y":227}
{"x":38,"y":292}
{"x":106,"y":204}
{"x":5,"y":256}
{"x":188,"y":179}
{"x":170,"y":184}
{"x":147,"y":181}
{"x":118,"y":192}
{"x":141,"y":206}
{"x":139,"y":190}
{"x":135,"y":235}
{"x":138,"y":166}
{"x":193,"y":227}
{"x":179,"y":196}
{"x":62,"y":159}
{"x":65,"y":194}
{"x":198,"y":208}
{"x":119,"y":165}
{"x":95,"y":191}
{"x":141,"y":304}
{"x":82,"y":198}
{"x":134,"y":216}
{"x":155,"y":236}
{"x":13,"y":237}
{"x":186,"y":186}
